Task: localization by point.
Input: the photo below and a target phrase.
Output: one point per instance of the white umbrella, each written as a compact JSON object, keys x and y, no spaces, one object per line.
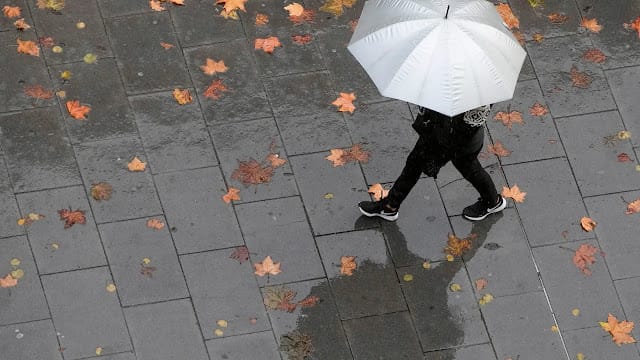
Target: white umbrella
{"x":448,"y":56}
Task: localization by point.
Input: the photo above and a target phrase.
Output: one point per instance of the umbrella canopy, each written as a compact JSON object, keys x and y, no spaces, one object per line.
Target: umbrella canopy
{"x":448,"y":56}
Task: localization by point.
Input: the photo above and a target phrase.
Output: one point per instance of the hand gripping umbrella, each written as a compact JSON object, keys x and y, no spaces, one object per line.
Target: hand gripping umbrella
{"x":448,"y":56}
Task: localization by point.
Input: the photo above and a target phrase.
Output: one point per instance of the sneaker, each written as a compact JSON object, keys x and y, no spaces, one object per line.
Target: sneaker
{"x":377,"y":208}
{"x":479,"y":210}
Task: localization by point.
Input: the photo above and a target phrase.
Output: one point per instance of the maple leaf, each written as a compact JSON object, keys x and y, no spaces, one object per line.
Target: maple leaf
{"x":507,"y":16}
{"x":8,"y":281}
{"x":232,"y":5}
{"x":634,"y":25}
{"x":633,"y":207}
{"x":587,"y":223}
{"x":584,"y":256}
{"x":261,"y":19}
{"x":307,"y":16}
{"x":72,"y":217}
{"x":267,"y":266}
{"x":212,"y":67}
{"x":347,"y":265}
{"x":215,"y":90}
{"x":38,"y":92}
{"x":232,"y":194}
{"x":345,"y":102}
{"x":557,"y":18}
{"x":481,"y":283}
{"x":337,"y":157}
{"x":166,"y":46}
{"x":294,"y":9}
{"x":230,"y":14}
{"x":538,"y":110}
{"x":77,"y":111}
{"x":301,"y":39}
{"x":513,"y":193}
{"x":378,"y":192}
{"x":619,"y":330}
{"x":136,"y":165}
{"x":356,"y":153}
{"x":456,"y":246}
{"x":591,"y":25}
{"x":241,"y":253}
{"x":537,"y":37}
{"x":279,"y":298}
{"x":46,"y":42}
{"x":28,"y":47}
{"x":498,"y":149}
{"x":267,"y":44}
{"x":252,"y":172}
{"x":508,"y":119}
{"x":335,"y":7}
{"x":156,"y":5}
{"x":182,"y":96}
{"x":624,"y":157}
{"x":275,"y":160}
{"x":155,"y":224}
{"x":101,"y":191}
{"x":579,"y":79}
{"x":54,"y":5}
{"x":21,"y":25}
{"x":594,"y":55}
{"x":11,"y":11}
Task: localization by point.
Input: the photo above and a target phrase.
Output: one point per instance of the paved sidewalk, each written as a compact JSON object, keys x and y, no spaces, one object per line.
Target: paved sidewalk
{"x":179,"y":295}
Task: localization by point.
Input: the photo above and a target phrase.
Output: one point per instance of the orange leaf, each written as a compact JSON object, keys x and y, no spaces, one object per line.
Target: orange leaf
{"x":177,"y":2}
{"x":507,"y":15}
{"x":261,"y":19}
{"x":378,"y":192}
{"x":620,"y":330}
{"x":337,"y":157}
{"x":624,"y":157}
{"x":347,"y":265}
{"x":633,"y":207}
{"x":537,"y":37}
{"x":38,"y":92}
{"x":307,"y":16}
{"x":634,"y":25}
{"x":11,"y":11}
{"x":514,"y":193}
{"x":232,"y":5}
{"x":498,"y":149}
{"x":481,"y":283}
{"x":587,"y":224}
{"x":252,"y":172}
{"x":538,"y":110}
{"x":301,"y":39}
{"x":28,"y":47}
{"x":580,"y":79}
{"x":508,"y":119}
{"x":101,"y":191}
{"x":232,"y":194}
{"x":267,"y":266}
{"x":155,"y":224}
{"x":8,"y":281}
{"x":584,"y":256}
{"x":456,"y":246}
{"x":275,"y":160}
{"x":356,"y":153}
{"x":136,"y":165}
{"x":182,"y":96}
{"x":21,"y":25}
{"x":71,"y":217}
{"x":77,"y":111}
{"x":591,"y":25}
{"x":156,"y":5}
{"x":556,"y":18}
{"x":345,"y":102}
{"x":267,"y":44}
{"x":212,"y":67}
{"x":166,"y":46}
{"x":215,"y":90}
{"x":294,"y":9}
{"x":594,"y":55}
{"x":335,"y":7}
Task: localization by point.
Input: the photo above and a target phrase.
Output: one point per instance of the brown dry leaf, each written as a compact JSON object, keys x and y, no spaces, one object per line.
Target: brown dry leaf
{"x":261,"y":19}
{"x":53,"y":5}
{"x":519,"y":36}
{"x":279,"y":298}
{"x":38,"y":92}
{"x":302,"y":39}
{"x":345,"y":102}
{"x":309,"y":301}
{"x":337,"y":157}
{"x":294,"y":9}
{"x":252,"y":172}
{"x":513,"y":193}
{"x":72,"y":217}
{"x":28,"y":47}
{"x":241,"y":253}
{"x":231,"y":195}
{"x":356,"y":153}
{"x":21,"y":25}
{"x":215,"y":90}
{"x":580,"y":79}
{"x":101,"y":191}
{"x":347,"y":265}
{"x":508,"y":119}
{"x":481,"y":283}
{"x":267,"y":44}
{"x":624,"y":157}
{"x":587,"y":223}
{"x":136,"y":165}
{"x":155,"y":224}
{"x":212,"y":67}
{"x":230,"y":6}
{"x":46,"y":42}
{"x":156,"y":5}
{"x":296,"y":345}
{"x":456,"y":246}
{"x":8,"y":281}
{"x":275,"y":160}
{"x":182,"y":96}
{"x":633,"y":207}
{"x":267,"y":266}
{"x":11,"y":11}
{"x":594,"y":55}
{"x":507,"y":16}
{"x":335,"y":7}
{"x":77,"y":111}
{"x":591,"y":25}
{"x":584,"y":256}
{"x":620,"y":330}
{"x":537,"y":37}
{"x":166,"y":46}
{"x":307,"y":16}
{"x":30,"y":218}
{"x":353,"y":24}
{"x":147,"y":271}
{"x":498,"y":149}
{"x":378,"y":192}
{"x":557,"y":18}
{"x":538,"y":110}
{"x":634,"y":25}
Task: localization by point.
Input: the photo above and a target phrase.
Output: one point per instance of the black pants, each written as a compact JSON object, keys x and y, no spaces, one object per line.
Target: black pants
{"x":467,"y":165}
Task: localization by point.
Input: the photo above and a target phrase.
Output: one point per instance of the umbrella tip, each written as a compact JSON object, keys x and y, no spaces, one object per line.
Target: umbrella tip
{"x":447,"y":13}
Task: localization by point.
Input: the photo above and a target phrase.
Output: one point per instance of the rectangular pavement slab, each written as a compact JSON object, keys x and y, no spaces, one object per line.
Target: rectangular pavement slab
{"x":199,"y":23}
{"x":313,"y":133}
{"x":9,"y":213}
{"x":30,"y":341}
{"x":595,"y":343}
{"x":301,"y":94}
{"x":259,"y":345}
{"x":624,"y":84}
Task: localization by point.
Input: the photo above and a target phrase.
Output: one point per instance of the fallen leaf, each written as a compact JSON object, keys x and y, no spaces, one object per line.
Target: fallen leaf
{"x":623,"y":157}
{"x":17,"y":274}
{"x":455,"y":287}
{"x":232,"y":5}
{"x":294,"y":9}
{"x":182,"y":96}
{"x":580,"y":79}
{"x":594,"y":55}
{"x":65,"y":75}
{"x":111,"y":288}
{"x":77,"y":111}
{"x":507,"y":16}
{"x":177,"y":2}
{"x":328,"y":196}
{"x":450,"y":258}
{"x":166,"y":46}
{"x":231,"y":195}
{"x":309,"y":301}
{"x":620,"y":330}
{"x":335,"y":7}
{"x":101,"y":191}
{"x":72,"y":217}
{"x":378,"y":192}
{"x":11,"y":11}
{"x":634,"y":25}
{"x":538,"y":110}
{"x":591,"y":25}
{"x":215,"y":90}
{"x":485,"y":299}
{"x":30,"y":218}
{"x":554,"y":328}
{"x":357,"y":153}
{"x":407,"y":277}
{"x":80,"y":25}
{"x":580,"y":356}
{"x":98,"y":351}
{"x":212,"y":67}
{"x":90,"y":58}
{"x":623,"y":135}
{"x":21,"y":25}
{"x":426,"y":265}
{"x":633,"y":207}
{"x":481,"y":283}
{"x":54,"y":5}
{"x":28,"y":47}
{"x":307,"y":16}
{"x":584,"y":256}
{"x":233,"y":14}
{"x":510,"y":118}
{"x":156,"y":5}
{"x":267,"y":44}
{"x":345,"y":102}
{"x":347,"y":265}
{"x":575,"y":312}
{"x":8,"y":281}
{"x":15,"y":262}
{"x":498,"y":149}
{"x":241,"y":253}
{"x":587,"y":223}
{"x":456,"y":246}
{"x":46,"y":42}
{"x":279,"y":298}
{"x":38,"y":92}
{"x":337,"y":157}
{"x":536,"y":3}
{"x":275,"y":160}
{"x":267,"y":266}
{"x":513,"y":193}
{"x":353,"y":24}
{"x":57,"y":49}
{"x":537,"y":37}
{"x":218,"y":332}
{"x":252,"y":172}
{"x":155,"y":224}
{"x":301,"y":39}
{"x":147,"y":271}
{"x":296,"y":345}
{"x":557,"y":18}
{"x":261,"y":19}
{"x":136,"y":164}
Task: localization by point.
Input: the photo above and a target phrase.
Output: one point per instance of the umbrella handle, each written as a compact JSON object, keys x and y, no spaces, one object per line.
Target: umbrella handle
{"x":447,"y":13}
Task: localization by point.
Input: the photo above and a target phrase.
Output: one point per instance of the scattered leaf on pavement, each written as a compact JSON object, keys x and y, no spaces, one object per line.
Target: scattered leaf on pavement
{"x":11,"y":11}
{"x":90,"y":58}
{"x":634,"y":25}
{"x":302,"y":39}
{"x":456,"y":246}
{"x":378,"y":192}
{"x":215,"y":90}
{"x":507,"y":16}
{"x":584,"y":256}
{"x":537,"y":37}
{"x":587,"y":224}
{"x":345,"y":102}
{"x":231,"y":195}
{"x":275,"y":160}
{"x":101,"y":191}
{"x":77,"y":111}
{"x":166,"y":46}
{"x":623,"y":134}
{"x":241,"y":253}
{"x":294,"y":9}
{"x":218,"y":332}
{"x":554,"y":328}
{"x":232,"y":5}
{"x":53,"y":5}
{"x":21,"y":25}
{"x":407,"y":277}
{"x":156,"y":5}
{"x":498,"y":149}
{"x":279,"y":298}
{"x":580,"y":79}
{"x":335,"y":7}
{"x":575,"y":312}
{"x":337,"y":157}
{"x":556,"y":18}
{"x":580,"y":356}
{"x":111,"y":287}
{"x":594,"y":55}
{"x":261,"y":19}
{"x":426,"y":265}
{"x":267,"y":44}
{"x":623,"y":157}
{"x":347,"y":265}
{"x":633,"y":207}
{"x":509,"y":118}
{"x":252,"y":172}
{"x":15,"y":262}
{"x":182,"y":96}
{"x":485,"y":299}
{"x":72,"y":217}
{"x":38,"y":92}
{"x":28,"y":47}
{"x":80,"y":25}
{"x":538,"y":110}
{"x":455,"y":287}
{"x":267,"y":266}
{"x":591,"y":25}
{"x":296,"y":345}
{"x":212,"y":67}
{"x":30,"y":218}
{"x":481,"y":283}
{"x":136,"y":165}
{"x":307,"y":16}
{"x":222,"y":323}
{"x":155,"y":224}
{"x":620,"y":330}
{"x":65,"y":75}
{"x":46,"y":42}
{"x":513,"y":193}
{"x":8,"y":281}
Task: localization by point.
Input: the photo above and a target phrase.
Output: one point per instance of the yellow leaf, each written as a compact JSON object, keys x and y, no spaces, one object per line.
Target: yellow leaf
{"x":222,"y":323}
{"x":335,"y":6}
{"x":55,"y":5}
{"x":55,"y":246}
{"x":486,"y":298}
{"x":136,"y":164}
{"x":81,"y":25}
{"x":267,"y":266}
{"x":591,"y":25}
{"x":111,"y":288}
{"x":15,"y":262}
{"x":21,"y":221}
{"x":575,"y":312}
{"x":450,"y":257}
{"x":90,"y":58}
{"x":328,"y":196}
{"x":426,"y":265}
{"x":407,"y":277}
{"x":57,"y":49}
{"x":536,"y":3}
{"x":579,"y":356}
{"x":455,"y":287}
{"x":17,"y":274}
{"x":620,"y":330}
{"x":623,"y":135}
{"x":65,"y":75}
{"x":637,"y":167}
{"x":182,"y":96}
{"x":218,"y":332}
{"x":61,"y":94}
{"x":146,"y":261}
{"x":98,"y":351}
{"x":554,"y":328}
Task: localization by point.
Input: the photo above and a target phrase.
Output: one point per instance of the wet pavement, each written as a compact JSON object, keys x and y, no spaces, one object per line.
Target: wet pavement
{"x":179,"y":295}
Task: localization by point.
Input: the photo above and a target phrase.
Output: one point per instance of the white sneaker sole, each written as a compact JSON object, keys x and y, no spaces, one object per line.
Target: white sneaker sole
{"x":393,"y":217}
{"x":496,"y":209}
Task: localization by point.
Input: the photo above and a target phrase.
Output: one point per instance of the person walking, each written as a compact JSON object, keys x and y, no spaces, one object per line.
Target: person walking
{"x":442,"y":138}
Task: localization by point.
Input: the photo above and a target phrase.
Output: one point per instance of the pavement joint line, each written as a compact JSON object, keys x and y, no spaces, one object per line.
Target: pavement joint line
{"x":79,"y":269}
{"x":228,"y":123}
{"x":24,"y":322}
{"x":238,"y":203}
{"x":156,"y":302}
{"x":318,"y":278}
{"x":49,"y":189}
{"x":79,"y":61}
{"x":376,"y":315}
{"x":133,"y":218}
{"x":173,"y":171}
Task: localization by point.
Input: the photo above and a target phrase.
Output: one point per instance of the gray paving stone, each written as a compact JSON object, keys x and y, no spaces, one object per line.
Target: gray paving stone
{"x":552,"y":208}
{"x":527,"y":315}
{"x":534,"y":20}
{"x":133,"y":52}
{"x":9,"y":213}
{"x":443,"y":318}
{"x":564,"y":99}
{"x":595,"y":164}
{"x":475,"y":352}
{"x":316,"y":177}
{"x":127,"y":244}
{"x":560,"y":54}
{"x":624,"y":84}
{"x":394,"y":337}
{"x":25,"y":301}
{"x":508,"y":269}
{"x":245,"y":99}
{"x":313,"y":133}
{"x":110,"y":114}
{"x":301,"y":94}
{"x":196,"y":24}
{"x":595,"y":343}
{"x":373,"y":288}
{"x":20,"y":70}
{"x":79,"y":302}
{"x":196,"y":214}
{"x":213,"y":278}
{"x":421,"y":228}
{"x":616,"y":232}
{"x":591,"y":294}
{"x":174,"y":136}
{"x":385,"y":129}
{"x":260,"y":345}
{"x":115,"y":8}
{"x":133,"y":192}
{"x":536,"y":139}
{"x":167,"y":330}
{"x":32,"y":141}
{"x":77,"y":247}
{"x":627,"y":290}
{"x":320,"y":322}
{"x":279,"y":228}
{"x":253,"y":140}
{"x":29,"y":341}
